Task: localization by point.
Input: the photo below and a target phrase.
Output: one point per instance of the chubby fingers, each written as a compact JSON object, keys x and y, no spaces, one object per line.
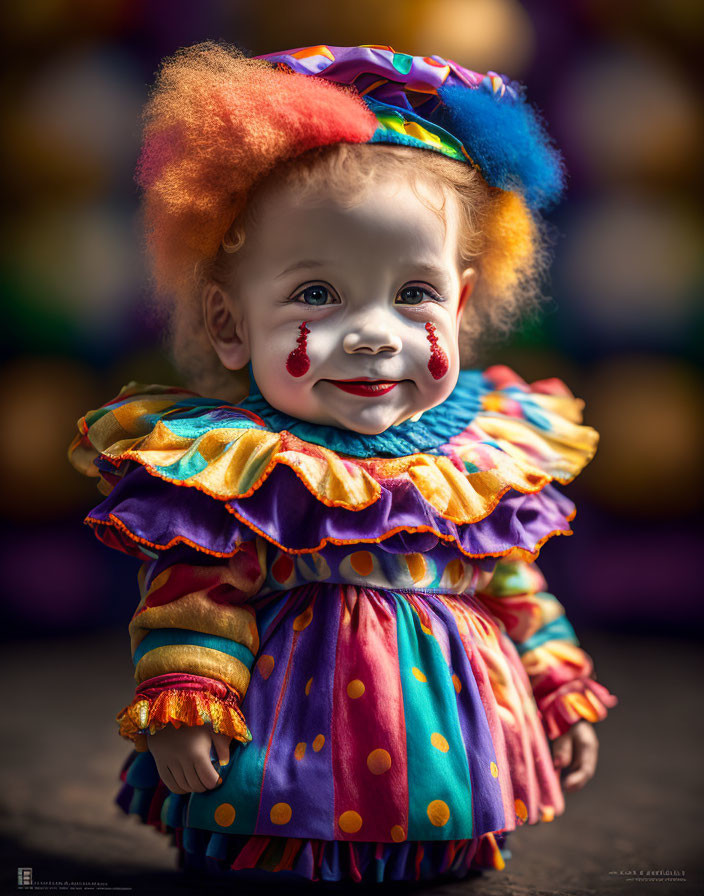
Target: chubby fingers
{"x":222,"y":742}
{"x":585,"y":755}
{"x":172,"y":775}
{"x":190,"y":776}
{"x":562,"y":751}
{"x":207,"y":776}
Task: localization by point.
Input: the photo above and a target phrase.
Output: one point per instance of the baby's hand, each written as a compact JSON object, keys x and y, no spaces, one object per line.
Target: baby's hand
{"x":576,"y":751}
{"x":182,"y":757}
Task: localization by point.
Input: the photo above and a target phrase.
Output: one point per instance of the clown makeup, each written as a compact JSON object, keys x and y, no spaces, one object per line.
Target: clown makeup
{"x":298,"y":362}
{"x":349,"y":313}
{"x":438,"y":364}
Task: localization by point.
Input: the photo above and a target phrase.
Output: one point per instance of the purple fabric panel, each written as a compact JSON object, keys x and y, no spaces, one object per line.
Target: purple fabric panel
{"x":288,"y":514}
{"x":243,"y":776}
{"x":305,"y":784}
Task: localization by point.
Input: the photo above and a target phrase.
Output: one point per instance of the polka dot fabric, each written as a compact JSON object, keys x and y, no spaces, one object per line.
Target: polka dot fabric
{"x":395,"y":732}
{"x":380,"y":716}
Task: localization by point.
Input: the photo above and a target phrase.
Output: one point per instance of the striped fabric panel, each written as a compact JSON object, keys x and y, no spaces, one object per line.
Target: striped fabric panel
{"x":196,"y":619}
{"x":195,"y":659}
{"x":173,"y":636}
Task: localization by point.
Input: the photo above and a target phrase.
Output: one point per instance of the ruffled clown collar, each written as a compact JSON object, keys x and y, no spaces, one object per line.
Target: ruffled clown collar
{"x":490,"y":452}
{"x":435,"y":427}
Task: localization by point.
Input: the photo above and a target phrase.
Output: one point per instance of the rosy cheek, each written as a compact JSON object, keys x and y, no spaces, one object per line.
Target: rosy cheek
{"x":298,"y":361}
{"x":438,"y":365}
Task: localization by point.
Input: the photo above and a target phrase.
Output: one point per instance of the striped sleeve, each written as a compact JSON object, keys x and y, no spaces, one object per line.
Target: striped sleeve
{"x":193,"y":638}
{"x":560,"y":671}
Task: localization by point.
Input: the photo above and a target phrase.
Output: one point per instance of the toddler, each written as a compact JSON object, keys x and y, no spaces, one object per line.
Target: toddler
{"x":348,"y":665}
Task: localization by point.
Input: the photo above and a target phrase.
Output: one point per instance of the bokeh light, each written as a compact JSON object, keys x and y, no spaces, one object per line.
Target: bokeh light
{"x":632,"y":265}
{"x":648,"y":411}
{"x":629,"y":114}
{"x":486,"y":35}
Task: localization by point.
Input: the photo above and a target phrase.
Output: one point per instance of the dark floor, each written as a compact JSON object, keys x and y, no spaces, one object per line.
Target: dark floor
{"x":61,"y":755}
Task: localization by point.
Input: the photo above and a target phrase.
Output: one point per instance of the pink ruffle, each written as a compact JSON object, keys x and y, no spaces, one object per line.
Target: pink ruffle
{"x":582,"y":698}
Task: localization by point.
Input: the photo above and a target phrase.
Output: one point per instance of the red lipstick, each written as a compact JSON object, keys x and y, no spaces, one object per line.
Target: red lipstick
{"x":367,"y":388}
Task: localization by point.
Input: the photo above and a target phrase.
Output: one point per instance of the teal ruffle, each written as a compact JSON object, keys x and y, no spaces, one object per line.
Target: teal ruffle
{"x":434,"y":429}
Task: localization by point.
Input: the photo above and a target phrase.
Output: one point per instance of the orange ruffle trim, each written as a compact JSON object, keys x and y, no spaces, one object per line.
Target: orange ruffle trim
{"x":180,"y":707}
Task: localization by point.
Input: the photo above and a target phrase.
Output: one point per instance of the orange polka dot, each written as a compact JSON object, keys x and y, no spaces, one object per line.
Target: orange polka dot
{"x":305,"y":618}
{"x":494,"y":769}
{"x":521,"y":810}
{"x":362,"y":562}
{"x":397,"y":833}
{"x":438,"y":813}
{"x":421,"y":676}
{"x":280,"y":813}
{"x":224,"y":815}
{"x":378,"y":762}
{"x":309,"y":684}
{"x":350,"y":822}
{"x":300,"y":750}
{"x":439,"y":742}
{"x":547,"y":813}
{"x":282,"y":568}
{"x":456,"y":683}
{"x":416,"y":566}
{"x":265,"y":664}
{"x":355,"y":688}
{"x":318,"y":743}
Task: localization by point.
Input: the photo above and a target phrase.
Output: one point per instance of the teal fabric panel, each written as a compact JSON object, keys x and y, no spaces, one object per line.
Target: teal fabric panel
{"x":430,"y":707}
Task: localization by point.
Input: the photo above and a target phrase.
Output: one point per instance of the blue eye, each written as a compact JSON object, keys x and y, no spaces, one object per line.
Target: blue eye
{"x":315,"y":295}
{"x":414,"y":295}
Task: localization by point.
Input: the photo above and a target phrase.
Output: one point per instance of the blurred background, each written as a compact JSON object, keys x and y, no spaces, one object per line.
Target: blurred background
{"x":618,"y":84}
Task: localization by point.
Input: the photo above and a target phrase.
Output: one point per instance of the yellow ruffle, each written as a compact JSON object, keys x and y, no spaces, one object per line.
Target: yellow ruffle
{"x":238,"y":461}
{"x":180,"y":707}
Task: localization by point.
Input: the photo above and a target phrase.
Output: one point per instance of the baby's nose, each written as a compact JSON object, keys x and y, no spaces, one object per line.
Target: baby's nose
{"x":371,"y":334}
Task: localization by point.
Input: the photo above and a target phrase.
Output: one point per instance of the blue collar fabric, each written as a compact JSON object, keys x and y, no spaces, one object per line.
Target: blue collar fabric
{"x":434,"y":429}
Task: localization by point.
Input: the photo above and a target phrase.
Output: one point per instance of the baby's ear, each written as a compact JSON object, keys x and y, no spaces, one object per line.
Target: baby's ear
{"x":225,"y":326}
{"x":468,"y":279}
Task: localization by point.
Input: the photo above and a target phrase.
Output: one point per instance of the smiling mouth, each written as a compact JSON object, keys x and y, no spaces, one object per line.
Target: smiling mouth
{"x":368,"y":388}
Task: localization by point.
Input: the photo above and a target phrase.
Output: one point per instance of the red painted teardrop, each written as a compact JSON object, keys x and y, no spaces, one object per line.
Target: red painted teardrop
{"x":438,"y":365}
{"x":298,"y":361}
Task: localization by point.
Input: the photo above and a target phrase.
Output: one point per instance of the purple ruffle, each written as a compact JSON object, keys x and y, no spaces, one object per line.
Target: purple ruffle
{"x":162,"y":514}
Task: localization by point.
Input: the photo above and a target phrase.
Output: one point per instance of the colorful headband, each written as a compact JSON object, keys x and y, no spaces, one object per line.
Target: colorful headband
{"x":434,"y":103}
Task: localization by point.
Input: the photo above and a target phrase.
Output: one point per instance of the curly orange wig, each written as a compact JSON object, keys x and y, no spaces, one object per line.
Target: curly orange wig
{"x":216,"y":122}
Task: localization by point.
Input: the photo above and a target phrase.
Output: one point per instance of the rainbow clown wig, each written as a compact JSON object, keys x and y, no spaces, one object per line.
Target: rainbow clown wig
{"x":219,"y":123}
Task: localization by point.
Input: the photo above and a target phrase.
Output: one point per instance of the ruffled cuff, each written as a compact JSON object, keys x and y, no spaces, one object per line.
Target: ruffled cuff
{"x":575,"y":700}
{"x":182,"y":699}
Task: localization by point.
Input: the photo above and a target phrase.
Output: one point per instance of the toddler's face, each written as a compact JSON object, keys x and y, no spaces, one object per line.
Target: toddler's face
{"x":350,"y":316}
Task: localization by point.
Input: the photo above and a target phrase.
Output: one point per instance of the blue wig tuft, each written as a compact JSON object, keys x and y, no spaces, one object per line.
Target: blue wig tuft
{"x":506,"y":139}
